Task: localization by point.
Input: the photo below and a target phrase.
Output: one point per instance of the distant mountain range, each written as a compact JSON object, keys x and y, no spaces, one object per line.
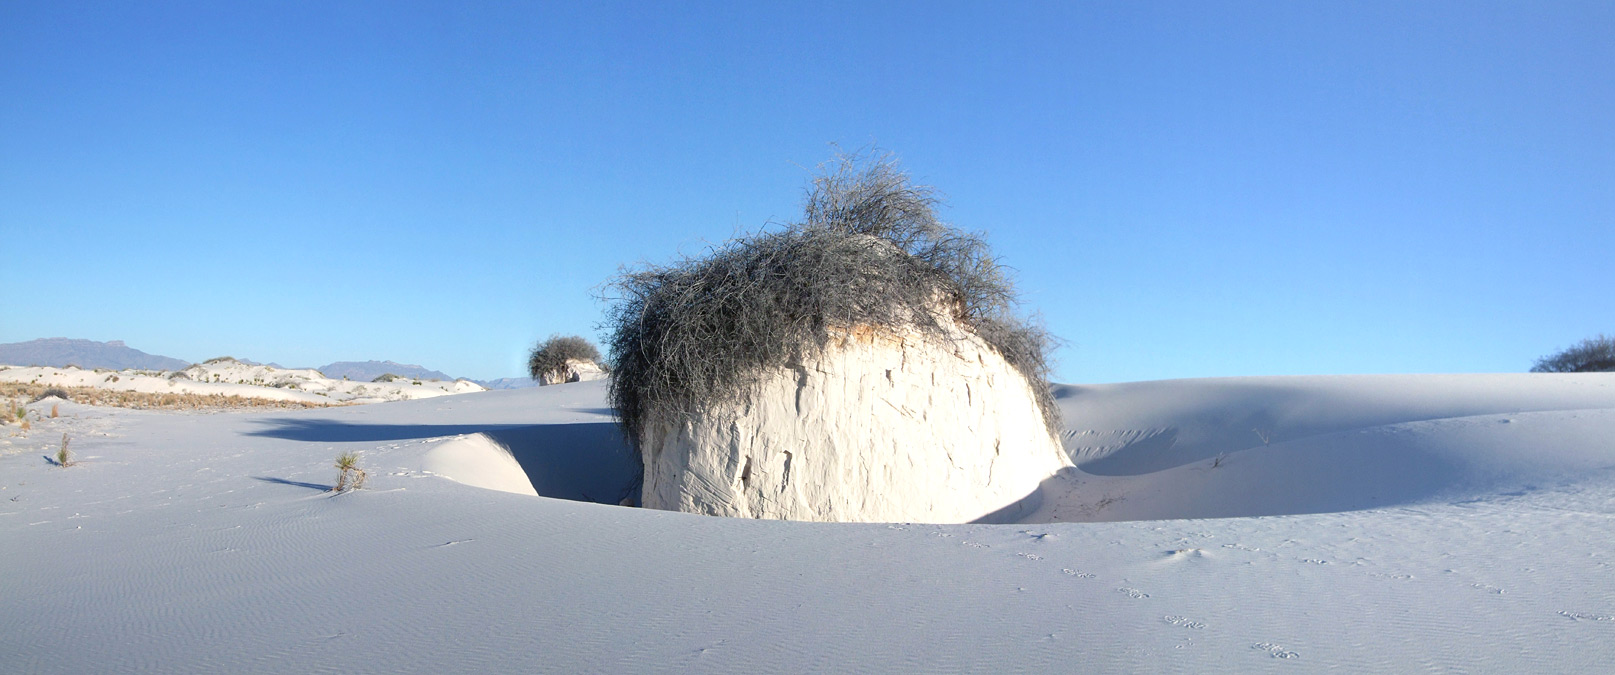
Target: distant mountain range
{"x":508,"y":383}
{"x":365,"y":371}
{"x":115,"y":355}
{"x":62,"y":352}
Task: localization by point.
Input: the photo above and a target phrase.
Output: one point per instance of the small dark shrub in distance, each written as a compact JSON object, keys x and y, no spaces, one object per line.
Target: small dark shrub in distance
{"x":58,"y":392}
{"x":1592,"y":355}
{"x":551,"y":355}
{"x":870,"y":251}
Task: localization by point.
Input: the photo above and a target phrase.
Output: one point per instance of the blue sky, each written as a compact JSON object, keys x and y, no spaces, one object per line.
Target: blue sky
{"x":1185,"y":189}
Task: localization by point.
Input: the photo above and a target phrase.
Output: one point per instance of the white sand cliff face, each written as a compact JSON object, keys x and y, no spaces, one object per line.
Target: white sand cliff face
{"x":883,"y":427}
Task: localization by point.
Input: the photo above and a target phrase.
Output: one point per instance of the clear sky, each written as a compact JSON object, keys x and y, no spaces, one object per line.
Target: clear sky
{"x":1185,"y":189}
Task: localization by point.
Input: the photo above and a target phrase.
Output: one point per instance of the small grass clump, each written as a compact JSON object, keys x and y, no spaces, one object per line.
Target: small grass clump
{"x":352,"y":477}
{"x":64,"y":458}
{"x":870,"y":252}
{"x":550,"y":357}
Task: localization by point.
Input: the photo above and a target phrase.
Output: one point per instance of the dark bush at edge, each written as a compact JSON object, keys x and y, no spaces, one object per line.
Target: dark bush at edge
{"x":1592,"y":355}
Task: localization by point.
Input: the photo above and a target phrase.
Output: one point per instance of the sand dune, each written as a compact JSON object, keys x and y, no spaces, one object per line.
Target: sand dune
{"x":1384,"y":524}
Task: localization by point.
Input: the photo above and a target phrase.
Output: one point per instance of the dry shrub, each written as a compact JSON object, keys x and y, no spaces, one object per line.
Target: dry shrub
{"x":352,"y":477}
{"x":1592,"y":355}
{"x":58,"y":392}
{"x":551,"y":356}
{"x":870,"y":251}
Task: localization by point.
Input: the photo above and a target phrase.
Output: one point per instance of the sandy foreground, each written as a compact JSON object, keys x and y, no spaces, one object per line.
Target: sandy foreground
{"x":1401,"y":523}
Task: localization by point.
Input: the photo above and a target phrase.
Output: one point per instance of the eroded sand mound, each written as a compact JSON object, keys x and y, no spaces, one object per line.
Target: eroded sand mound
{"x":883,"y":426}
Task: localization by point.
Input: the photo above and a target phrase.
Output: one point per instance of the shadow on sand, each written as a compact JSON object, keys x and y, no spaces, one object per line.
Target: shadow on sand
{"x":293,"y":483}
{"x":586,"y":462}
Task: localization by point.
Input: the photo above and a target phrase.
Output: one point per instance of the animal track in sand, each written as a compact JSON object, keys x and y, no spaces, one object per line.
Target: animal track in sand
{"x":1079,"y":575}
{"x":1133,"y":593}
{"x":1183,"y":621}
{"x":1488,"y":588}
{"x":1578,"y":616}
{"x":1275,"y":651}
{"x":1030,"y":556}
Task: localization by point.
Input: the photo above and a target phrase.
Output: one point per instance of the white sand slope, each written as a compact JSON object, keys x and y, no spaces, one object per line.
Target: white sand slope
{"x":1390,"y":524}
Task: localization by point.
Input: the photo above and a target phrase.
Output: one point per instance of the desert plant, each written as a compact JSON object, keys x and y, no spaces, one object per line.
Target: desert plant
{"x":352,"y":477}
{"x":1592,"y":355}
{"x":385,"y":377}
{"x":58,"y":392}
{"x":870,"y":251}
{"x":550,"y":357}
{"x":54,"y":410}
{"x":63,"y":457}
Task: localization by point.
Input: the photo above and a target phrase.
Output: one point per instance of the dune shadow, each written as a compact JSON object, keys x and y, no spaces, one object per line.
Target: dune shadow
{"x":293,"y":483}
{"x":331,"y":431}
{"x":588,"y":462}
{"x":1333,"y":474}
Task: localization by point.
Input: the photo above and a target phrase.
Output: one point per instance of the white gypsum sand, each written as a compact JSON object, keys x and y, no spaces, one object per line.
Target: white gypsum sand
{"x":1379,"y":524}
{"x":229,"y":377}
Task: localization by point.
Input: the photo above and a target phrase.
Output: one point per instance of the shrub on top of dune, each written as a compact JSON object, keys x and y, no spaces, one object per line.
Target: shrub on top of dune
{"x":558,"y":358}
{"x":1592,"y":355}
{"x":864,"y":364}
{"x":870,"y":251}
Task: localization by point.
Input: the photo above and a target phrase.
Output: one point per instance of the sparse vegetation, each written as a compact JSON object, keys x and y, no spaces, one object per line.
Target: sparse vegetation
{"x":869,"y":252}
{"x":152,"y":401}
{"x":64,"y":458}
{"x":58,"y":392}
{"x":1592,"y":355}
{"x":550,"y":357}
{"x":54,"y":410}
{"x":352,"y":477}
{"x":385,"y":377}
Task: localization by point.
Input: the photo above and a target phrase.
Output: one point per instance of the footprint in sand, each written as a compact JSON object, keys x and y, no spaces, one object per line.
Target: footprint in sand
{"x":1183,"y":621}
{"x":1578,"y":616}
{"x":1275,"y":651}
{"x":1133,"y":593}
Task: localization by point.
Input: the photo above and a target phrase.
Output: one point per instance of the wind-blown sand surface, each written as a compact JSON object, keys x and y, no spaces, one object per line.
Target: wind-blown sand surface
{"x":1363,"y":523}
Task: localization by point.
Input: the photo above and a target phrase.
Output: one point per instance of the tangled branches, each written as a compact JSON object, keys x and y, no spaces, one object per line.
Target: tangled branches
{"x":550,"y":357}
{"x":701,"y":331}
